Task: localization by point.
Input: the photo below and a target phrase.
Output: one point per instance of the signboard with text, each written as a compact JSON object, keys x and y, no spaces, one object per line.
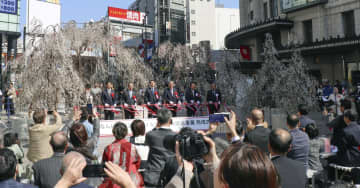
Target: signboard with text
{"x":196,"y":123}
{"x":9,"y":6}
{"x":288,"y":5}
{"x":126,"y":15}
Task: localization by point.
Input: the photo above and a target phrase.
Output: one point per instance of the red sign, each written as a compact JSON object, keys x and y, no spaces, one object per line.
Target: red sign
{"x":245,"y":52}
{"x":125,"y":15}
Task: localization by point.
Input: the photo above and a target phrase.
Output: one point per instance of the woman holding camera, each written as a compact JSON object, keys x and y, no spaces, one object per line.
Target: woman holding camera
{"x":122,"y":153}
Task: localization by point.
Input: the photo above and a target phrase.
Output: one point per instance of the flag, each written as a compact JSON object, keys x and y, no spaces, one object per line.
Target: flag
{"x":245,"y":52}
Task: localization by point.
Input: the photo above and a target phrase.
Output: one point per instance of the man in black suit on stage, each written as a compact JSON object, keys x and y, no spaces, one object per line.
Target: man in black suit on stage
{"x":129,"y":102}
{"x":193,"y":98}
{"x":152,"y":98}
{"x":213,"y":99}
{"x":108,"y":98}
{"x":171,"y":98}
{"x":292,"y":173}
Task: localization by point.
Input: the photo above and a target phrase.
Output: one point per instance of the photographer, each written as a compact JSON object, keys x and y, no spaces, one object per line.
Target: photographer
{"x":39,"y":134}
{"x":211,"y":162}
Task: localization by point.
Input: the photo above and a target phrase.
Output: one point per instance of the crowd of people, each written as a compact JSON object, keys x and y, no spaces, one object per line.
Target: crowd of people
{"x":112,"y":100}
{"x":251,"y":155}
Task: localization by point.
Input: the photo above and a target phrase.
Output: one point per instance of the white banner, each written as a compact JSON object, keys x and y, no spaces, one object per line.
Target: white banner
{"x":196,"y":123}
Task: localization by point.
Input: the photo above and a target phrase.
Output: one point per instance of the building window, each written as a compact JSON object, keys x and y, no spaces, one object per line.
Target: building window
{"x":193,"y":34}
{"x":193,"y":22}
{"x":192,"y":11}
{"x":265,"y":11}
{"x":348,"y":23}
{"x":273,"y":8}
{"x":308,"y":31}
{"x":251,"y":15}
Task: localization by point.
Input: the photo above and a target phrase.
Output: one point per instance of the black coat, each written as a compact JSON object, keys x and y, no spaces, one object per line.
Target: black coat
{"x":190,"y":96}
{"x":127,"y":99}
{"x":212,"y":97}
{"x":158,"y":154}
{"x":338,"y":125}
{"x":292,"y":173}
{"x":259,"y":137}
{"x":349,"y":146}
{"x":151,"y":97}
{"x":167,"y":96}
{"x":108,"y":99}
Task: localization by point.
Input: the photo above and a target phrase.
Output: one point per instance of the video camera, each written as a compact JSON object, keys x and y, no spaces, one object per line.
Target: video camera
{"x":192,"y":144}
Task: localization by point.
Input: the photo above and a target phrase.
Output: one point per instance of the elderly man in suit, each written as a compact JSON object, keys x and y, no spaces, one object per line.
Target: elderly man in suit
{"x":213,"y":99}
{"x":292,"y":173}
{"x":259,"y":135}
{"x":300,"y":141}
{"x":171,"y":97}
{"x":158,"y":154}
{"x":130,"y":100}
{"x":193,"y":98}
{"x":8,"y":168}
{"x":108,"y":98}
{"x":47,"y":171}
{"x":39,"y":134}
{"x":152,"y":98}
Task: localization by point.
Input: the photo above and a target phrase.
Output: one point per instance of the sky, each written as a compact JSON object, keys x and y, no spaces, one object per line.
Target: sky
{"x":83,"y":10}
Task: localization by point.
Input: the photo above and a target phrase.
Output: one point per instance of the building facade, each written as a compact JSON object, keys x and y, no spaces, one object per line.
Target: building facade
{"x":129,"y":27}
{"x":167,"y":18}
{"x":327,"y":32}
{"x":208,"y":21}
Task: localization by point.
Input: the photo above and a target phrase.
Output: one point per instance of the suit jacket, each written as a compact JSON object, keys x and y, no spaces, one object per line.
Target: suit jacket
{"x":158,"y":154}
{"x":167,"y":96}
{"x":11,"y":183}
{"x":338,"y":125}
{"x":151,"y":97}
{"x":304,"y":121}
{"x":299,"y":146}
{"x":108,"y":99}
{"x":292,"y":173}
{"x":214,"y":97}
{"x":47,"y":171}
{"x":259,"y":137}
{"x":39,"y":146}
{"x":349,"y":148}
{"x":190,"y":96}
{"x":127,"y":99}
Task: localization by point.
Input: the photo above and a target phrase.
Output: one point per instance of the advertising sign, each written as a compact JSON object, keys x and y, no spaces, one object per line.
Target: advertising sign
{"x":48,"y":14}
{"x":196,"y":123}
{"x":294,"y":4}
{"x":126,"y":15}
{"x":9,"y":6}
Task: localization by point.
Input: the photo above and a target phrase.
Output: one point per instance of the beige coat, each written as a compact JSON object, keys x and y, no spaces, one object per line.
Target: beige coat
{"x":39,"y":140}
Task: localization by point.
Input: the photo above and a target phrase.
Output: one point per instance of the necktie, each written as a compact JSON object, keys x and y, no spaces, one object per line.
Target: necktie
{"x":152,"y":89}
{"x":172,"y":92}
{"x":130,"y":93}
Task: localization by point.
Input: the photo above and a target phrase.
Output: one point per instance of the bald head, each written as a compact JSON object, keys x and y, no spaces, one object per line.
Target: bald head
{"x":292,"y":121}
{"x":59,"y":142}
{"x":71,"y":156}
{"x":257,"y":116}
{"x":279,"y":141}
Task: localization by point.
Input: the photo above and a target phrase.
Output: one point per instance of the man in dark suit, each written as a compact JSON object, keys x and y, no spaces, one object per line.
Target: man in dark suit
{"x":300,"y":141}
{"x":349,"y":146}
{"x":303,"y":118}
{"x":171,"y":97}
{"x":47,"y":171}
{"x":108,"y":98}
{"x":8,"y":168}
{"x":193,"y":98}
{"x":292,"y":173}
{"x":259,"y":135}
{"x":338,"y":124}
{"x":158,"y":154}
{"x":213,"y":99}
{"x":152,"y":99}
{"x":130,"y":102}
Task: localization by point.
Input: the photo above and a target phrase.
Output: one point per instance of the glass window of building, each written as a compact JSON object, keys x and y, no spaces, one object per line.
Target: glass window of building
{"x":193,"y":34}
{"x":193,"y":22}
{"x":265,"y":11}
{"x":348,"y":23}
{"x":308,"y":31}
